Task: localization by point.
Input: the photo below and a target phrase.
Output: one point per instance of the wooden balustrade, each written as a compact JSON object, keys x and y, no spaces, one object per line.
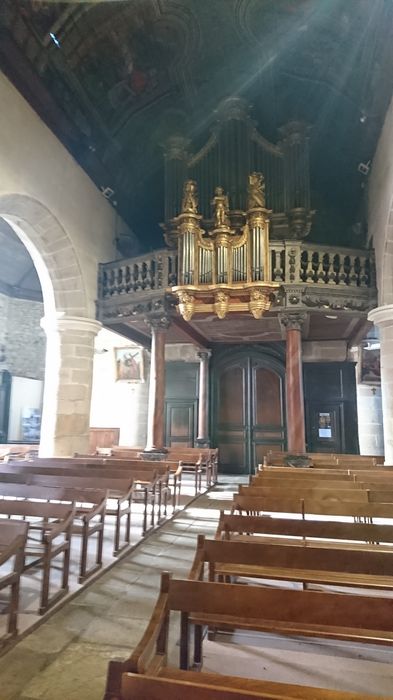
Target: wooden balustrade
{"x":292,"y":262}
{"x":150,"y":272}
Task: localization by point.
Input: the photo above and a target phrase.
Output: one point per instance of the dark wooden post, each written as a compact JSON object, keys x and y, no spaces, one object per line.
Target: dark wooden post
{"x":296,"y":440}
{"x":155,"y":417}
{"x":203,"y":403}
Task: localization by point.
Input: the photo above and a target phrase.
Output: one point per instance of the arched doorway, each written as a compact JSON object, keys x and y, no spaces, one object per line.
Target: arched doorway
{"x":248,"y":407}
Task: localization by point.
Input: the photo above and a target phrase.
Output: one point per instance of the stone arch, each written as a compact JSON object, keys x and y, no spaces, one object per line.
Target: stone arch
{"x":69,"y":328}
{"x":52,"y":252}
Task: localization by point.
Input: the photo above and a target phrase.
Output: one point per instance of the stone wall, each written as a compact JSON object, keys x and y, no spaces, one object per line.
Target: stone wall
{"x":68,"y":228}
{"x":22,"y":337}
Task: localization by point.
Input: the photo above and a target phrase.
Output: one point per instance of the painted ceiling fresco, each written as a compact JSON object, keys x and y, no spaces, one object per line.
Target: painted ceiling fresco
{"x":114,"y":79}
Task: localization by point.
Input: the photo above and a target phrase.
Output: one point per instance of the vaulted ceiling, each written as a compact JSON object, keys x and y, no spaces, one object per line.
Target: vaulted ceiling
{"x":114,"y":78}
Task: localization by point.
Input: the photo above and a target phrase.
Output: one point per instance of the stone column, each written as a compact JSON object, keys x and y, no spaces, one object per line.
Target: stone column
{"x":203,"y":403}
{"x":382,"y":316}
{"x":67,"y":388}
{"x":155,"y":416}
{"x":292,"y":322}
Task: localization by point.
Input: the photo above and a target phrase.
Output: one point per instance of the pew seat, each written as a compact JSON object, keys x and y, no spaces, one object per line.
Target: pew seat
{"x":54,"y":522}
{"x":173,"y":684}
{"x":229,"y":606}
{"x":228,"y":559}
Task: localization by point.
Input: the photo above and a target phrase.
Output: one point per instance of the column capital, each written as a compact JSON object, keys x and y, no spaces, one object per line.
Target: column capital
{"x":204,"y":355}
{"x":60,"y":322}
{"x":159,"y":324}
{"x":382,"y":315}
{"x":292,"y":321}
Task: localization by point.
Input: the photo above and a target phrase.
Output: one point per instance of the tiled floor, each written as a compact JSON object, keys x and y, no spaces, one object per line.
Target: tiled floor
{"x":67,"y":657}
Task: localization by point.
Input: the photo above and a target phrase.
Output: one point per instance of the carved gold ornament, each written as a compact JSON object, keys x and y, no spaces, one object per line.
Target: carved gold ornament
{"x":224,"y":268}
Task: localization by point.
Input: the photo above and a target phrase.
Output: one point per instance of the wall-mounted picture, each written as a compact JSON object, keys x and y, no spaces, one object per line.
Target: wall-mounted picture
{"x":370,"y":362}
{"x":129,"y":364}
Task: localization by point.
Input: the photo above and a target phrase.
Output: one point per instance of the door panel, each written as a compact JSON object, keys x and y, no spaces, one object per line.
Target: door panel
{"x":250,"y":416}
{"x":180,"y":420}
{"x":232,"y":387}
{"x":231,"y":417}
{"x":330,"y":388}
{"x":267,"y":390}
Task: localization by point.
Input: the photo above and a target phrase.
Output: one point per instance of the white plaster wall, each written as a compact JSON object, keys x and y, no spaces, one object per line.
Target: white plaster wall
{"x":118,"y":404}
{"x":33,"y":162}
{"x":380,"y":220}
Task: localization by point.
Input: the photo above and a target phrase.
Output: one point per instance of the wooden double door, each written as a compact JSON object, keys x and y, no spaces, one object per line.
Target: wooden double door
{"x":248,"y":412}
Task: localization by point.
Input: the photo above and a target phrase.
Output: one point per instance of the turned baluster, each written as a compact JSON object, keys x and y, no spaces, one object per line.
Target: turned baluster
{"x":353,"y":274}
{"x":342,"y":276}
{"x":309,"y":268}
{"x":320,"y":275}
{"x":278,"y":271}
{"x":330,"y":272}
{"x":121,"y":277}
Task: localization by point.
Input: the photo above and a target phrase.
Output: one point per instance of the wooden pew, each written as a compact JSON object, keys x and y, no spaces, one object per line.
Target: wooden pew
{"x":373,"y":473}
{"x":229,"y":606}
{"x":122,"y":486}
{"x":357,"y":495}
{"x":88,"y":517}
{"x":315,"y":494}
{"x":197,"y":460}
{"x":290,"y":485}
{"x":205,"y":460}
{"x":177,"y":685}
{"x":278,"y":458}
{"x":256,"y":505}
{"x":322,"y":533}
{"x":161,"y":467}
{"x":54,"y":523}
{"x":188,"y":461}
{"x":13,"y":537}
{"x":332,"y":566}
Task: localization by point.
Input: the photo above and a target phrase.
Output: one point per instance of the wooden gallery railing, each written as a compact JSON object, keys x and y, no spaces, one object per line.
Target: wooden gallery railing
{"x":291,"y":262}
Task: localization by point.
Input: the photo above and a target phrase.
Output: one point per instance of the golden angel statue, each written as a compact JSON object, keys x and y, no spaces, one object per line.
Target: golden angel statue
{"x":220,"y":204}
{"x":190,"y":198}
{"x":256,"y":191}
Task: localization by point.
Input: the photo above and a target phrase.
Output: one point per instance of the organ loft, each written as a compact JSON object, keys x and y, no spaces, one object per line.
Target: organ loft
{"x":239,"y":279}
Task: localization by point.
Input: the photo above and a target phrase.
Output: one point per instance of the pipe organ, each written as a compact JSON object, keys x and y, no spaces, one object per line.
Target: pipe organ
{"x":224,"y":269}
{"x":234,"y":149}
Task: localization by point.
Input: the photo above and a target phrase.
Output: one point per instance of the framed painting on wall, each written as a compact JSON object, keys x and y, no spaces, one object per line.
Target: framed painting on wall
{"x":129,"y":364}
{"x":369,"y":362}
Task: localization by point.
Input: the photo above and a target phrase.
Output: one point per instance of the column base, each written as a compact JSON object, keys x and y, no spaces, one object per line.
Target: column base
{"x":202,"y":442}
{"x":154,"y":454}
